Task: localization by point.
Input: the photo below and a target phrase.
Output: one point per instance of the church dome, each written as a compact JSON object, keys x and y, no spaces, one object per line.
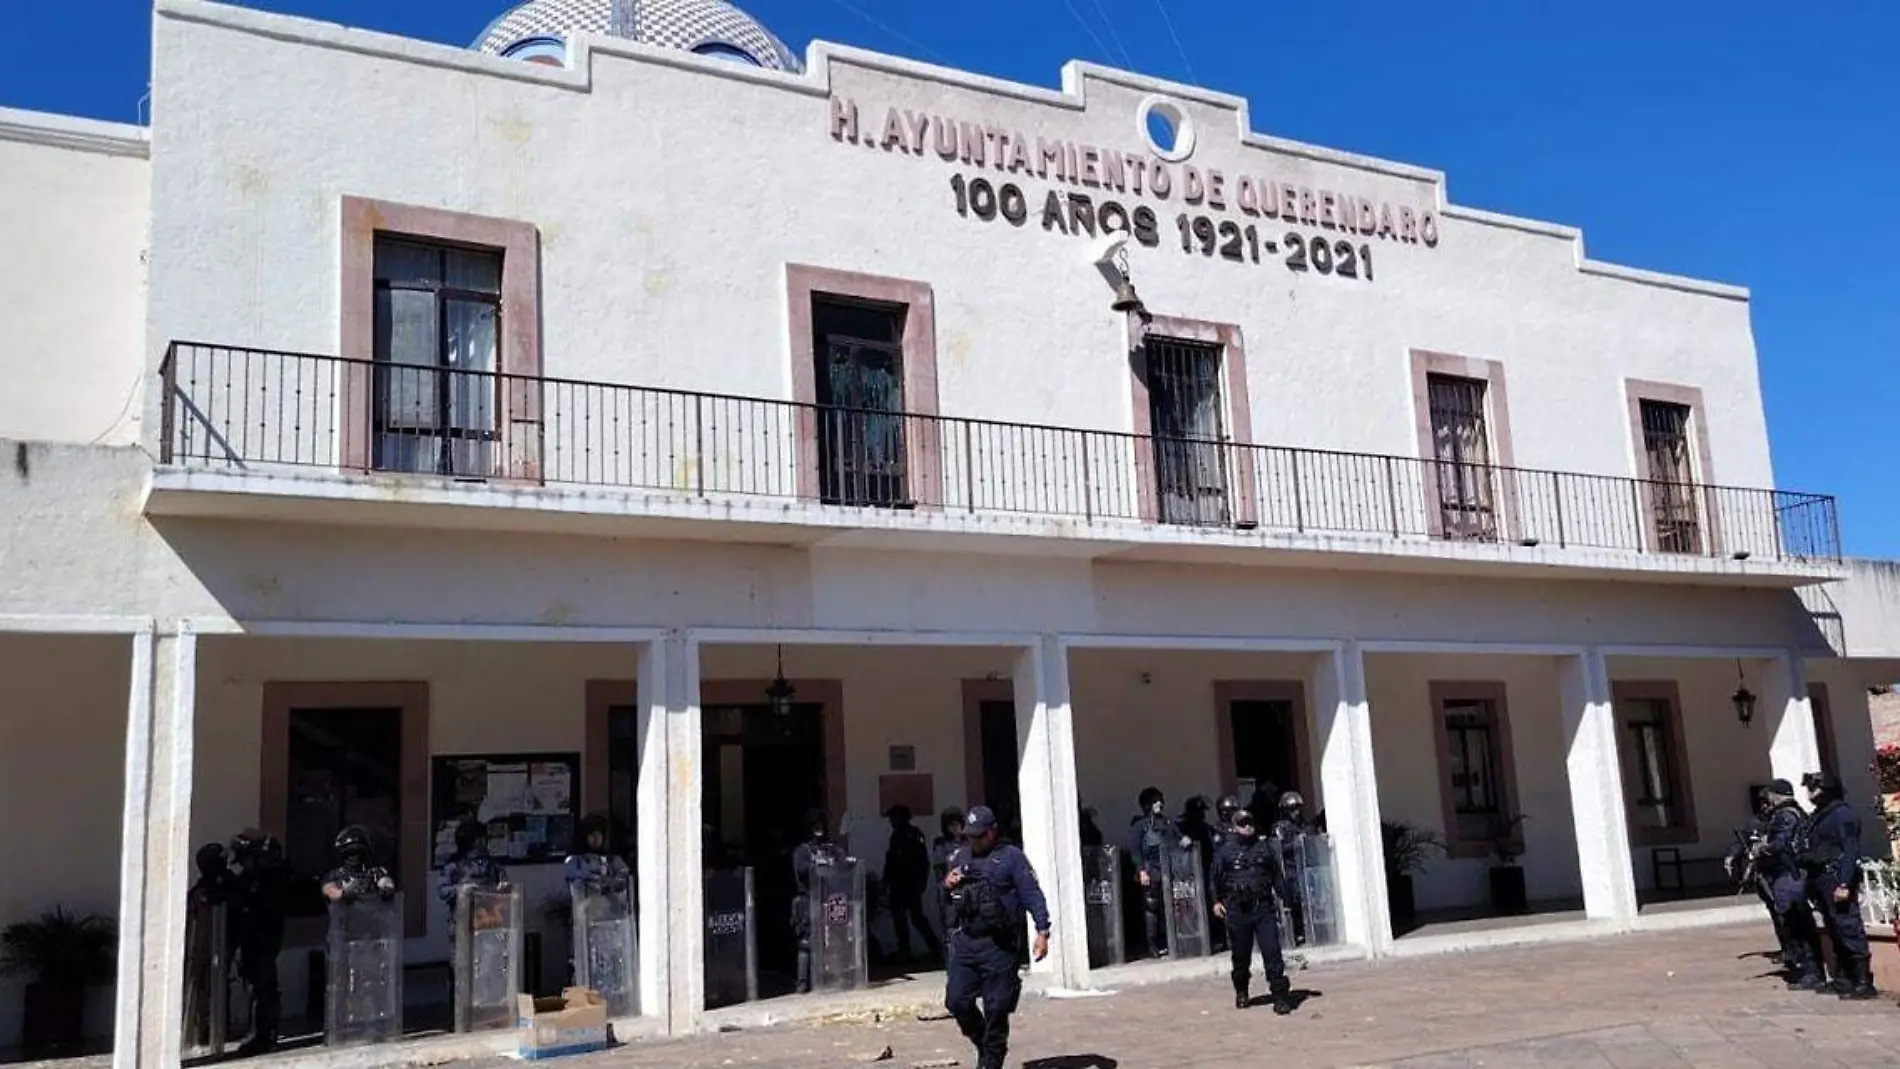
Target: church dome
{"x":538,"y":30}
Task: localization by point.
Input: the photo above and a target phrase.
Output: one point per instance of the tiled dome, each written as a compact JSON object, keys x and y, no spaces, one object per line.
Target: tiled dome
{"x":711,"y":27}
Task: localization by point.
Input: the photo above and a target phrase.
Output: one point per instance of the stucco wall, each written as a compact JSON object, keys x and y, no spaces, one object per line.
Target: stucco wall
{"x":73,"y":210}
{"x":1860,"y":616}
{"x":670,"y":195}
{"x":62,"y":772}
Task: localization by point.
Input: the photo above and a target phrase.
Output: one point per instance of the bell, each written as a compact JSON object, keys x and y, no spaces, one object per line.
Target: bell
{"x":1126,"y":300}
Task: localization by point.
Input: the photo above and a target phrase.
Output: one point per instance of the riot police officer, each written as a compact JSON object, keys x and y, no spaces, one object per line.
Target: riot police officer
{"x":991,"y":885}
{"x":1778,"y":870}
{"x":356,"y":876}
{"x":1742,"y":864}
{"x":1248,"y":884}
{"x":1833,"y":864}
{"x":1289,"y":828}
{"x":213,"y":888}
{"x":592,"y":867}
{"x":259,"y":892}
{"x":1151,"y":835}
{"x":471,"y":866}
{"x":816,"y":849}
{"x":1224,"y":811}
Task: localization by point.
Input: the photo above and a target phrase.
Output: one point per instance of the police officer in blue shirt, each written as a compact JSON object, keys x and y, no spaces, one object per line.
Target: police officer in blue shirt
{"x":1249,"y":885}
{"x":991,"y":884}
{"x":1833,"y":864}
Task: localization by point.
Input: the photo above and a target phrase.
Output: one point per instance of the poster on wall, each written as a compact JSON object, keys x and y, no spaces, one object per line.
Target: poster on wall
{"x":526,"y":802}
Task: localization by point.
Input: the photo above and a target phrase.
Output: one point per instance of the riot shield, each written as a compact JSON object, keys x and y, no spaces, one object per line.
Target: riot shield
{"x":364,"y":1001}
{"x":1319,"y":890}
{"x":1186,"y":908}
{"x":207,"y":978}
{"x":606,"y":948}
{"x":732,"y":941}
{"x":487,"y":946}
{"x":837,"y":925}
{"x":1102,"y":901}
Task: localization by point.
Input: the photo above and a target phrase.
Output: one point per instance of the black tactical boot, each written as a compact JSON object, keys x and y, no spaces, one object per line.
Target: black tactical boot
{"x":1860,"y":978}
{"x":1240,"y":994}
{"x":1282,"y":1005}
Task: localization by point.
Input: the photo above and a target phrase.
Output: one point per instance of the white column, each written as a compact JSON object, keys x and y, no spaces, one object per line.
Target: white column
{"x":672,"y":897}
{"x":1596,"y":789}
{"x":1349,"y":788}
{"x":155,"y":850}
{"x":1045,"y":732}
{"x":1794,"y":749}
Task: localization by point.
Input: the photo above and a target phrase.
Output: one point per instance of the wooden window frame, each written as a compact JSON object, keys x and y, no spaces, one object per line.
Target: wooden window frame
{"x":518,"y":409}
{"x":1236,"y":401}
{"x":923,"y":442}
{"x":1442,"y":693}
{"x":1636,"y":391}
{"x":1683,"y":829}
{"x":415,"y":841}
{"x":1426,"y":363}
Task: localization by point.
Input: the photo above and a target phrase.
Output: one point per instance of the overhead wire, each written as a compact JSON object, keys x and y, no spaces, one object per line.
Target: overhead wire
{"x":893,"y":31}
{"x":1107,"y":53}
{"x":1169,"y":23}
{"x":1127,"y":60}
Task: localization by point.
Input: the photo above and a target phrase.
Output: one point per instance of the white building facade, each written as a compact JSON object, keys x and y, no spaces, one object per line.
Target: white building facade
{"x":387,"y":406}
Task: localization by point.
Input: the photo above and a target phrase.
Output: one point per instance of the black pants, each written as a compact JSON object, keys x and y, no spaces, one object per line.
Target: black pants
{"x":258,"y":970}
{"x":907,"y":909}
{"x":1845,"y":929}
{"x":801,"y":932}
{"x":1794,"y":921}
{"x":982,"y":969}
{"x":1154,"y":899}
{"x":1246,"y":928}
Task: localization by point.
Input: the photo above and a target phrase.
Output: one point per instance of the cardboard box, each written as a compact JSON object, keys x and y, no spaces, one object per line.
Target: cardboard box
{"x":574,"y":1023}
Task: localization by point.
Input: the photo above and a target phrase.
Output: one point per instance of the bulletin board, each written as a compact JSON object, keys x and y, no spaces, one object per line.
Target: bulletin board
{"x":527,"y":801}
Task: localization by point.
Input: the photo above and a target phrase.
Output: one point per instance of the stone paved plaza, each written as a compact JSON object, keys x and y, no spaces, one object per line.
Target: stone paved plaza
{"x":1696,"y":998}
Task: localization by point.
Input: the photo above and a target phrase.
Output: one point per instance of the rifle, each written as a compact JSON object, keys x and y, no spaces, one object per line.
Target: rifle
{"x":1748,"y":844}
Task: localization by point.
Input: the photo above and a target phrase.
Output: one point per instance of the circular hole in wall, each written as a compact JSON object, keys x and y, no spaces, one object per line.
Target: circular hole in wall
{"x":1167,"y":128}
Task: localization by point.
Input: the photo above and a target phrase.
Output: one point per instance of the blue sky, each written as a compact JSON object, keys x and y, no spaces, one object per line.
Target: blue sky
{"x":1749,"y":141}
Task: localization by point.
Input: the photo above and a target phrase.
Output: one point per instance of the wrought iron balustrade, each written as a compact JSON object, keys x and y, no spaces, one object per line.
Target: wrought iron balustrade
{"x":248,"y":409}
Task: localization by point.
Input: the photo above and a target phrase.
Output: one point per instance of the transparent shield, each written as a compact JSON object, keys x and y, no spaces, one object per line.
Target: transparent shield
{"x":1186,"y":907}
{"x":732,"y":941}
{"x":606,"y":949}
{"x":364,"y":1000}
{"x":837,"y":925}
{"x":487,"y":948}
{"x":1102,"y":901}
{"x":207,"y":978}
{"x":1320,"y":890}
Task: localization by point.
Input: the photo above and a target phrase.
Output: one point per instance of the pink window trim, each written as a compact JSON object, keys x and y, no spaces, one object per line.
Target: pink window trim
{"x":1683,"y":831}
{"x":1229,"y":691}
{"x":1497,"y":400}
{"x":1636,"y":391}
{"x":924,"y":438}
{"x":975,"y":693}
{"x":1239,"y":414}
{"x":412,"y":701}
{"x":596,"y":768}
{"x":828,"y":694}
{"x":1446,"y":691}
{"x":519,"y":244}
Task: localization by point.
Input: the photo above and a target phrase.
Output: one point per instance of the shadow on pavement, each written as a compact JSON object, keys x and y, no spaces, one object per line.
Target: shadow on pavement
{"x":1073,"y":1061}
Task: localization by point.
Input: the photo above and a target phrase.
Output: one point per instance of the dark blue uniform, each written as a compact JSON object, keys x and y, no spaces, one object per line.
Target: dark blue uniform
{"x":804,"y":856}
{"x":1249,"y":885}
{"x":1833,"y":863}
{"x":1149,"y":839}
{"x":987,"y":910}
{"x":1783,"y":885}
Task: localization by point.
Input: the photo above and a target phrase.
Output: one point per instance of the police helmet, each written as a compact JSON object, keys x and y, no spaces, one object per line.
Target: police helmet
{"x":1149,"y":796}
{"x":211,"y":858}
{"x":1292,"y":800}
{"x":1243,"y":818}
{"x":1197,"y":804}
{"x":1226,"y":807}
{"x":950,"y":818}
{"x":352,"y":842}
{"x":468,"y":833}
{"x":816,"y":825}
{"x":591,"y":823}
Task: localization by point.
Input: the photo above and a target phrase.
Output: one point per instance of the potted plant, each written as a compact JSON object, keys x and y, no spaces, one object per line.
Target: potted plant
{"x":64,"y":954}
{"x":1407,"y":851}
{"x":1508,"y":897}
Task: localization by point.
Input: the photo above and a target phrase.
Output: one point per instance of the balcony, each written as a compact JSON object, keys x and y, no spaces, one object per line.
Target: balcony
{"x":290,"y":435}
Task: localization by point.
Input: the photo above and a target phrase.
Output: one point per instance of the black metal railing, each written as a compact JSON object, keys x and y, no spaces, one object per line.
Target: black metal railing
{"x":251,"y":408}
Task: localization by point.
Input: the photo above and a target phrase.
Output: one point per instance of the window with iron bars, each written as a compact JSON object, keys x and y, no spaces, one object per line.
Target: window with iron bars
{"x":862,"y":430}
{"x":1189,"y":432}
{"x":1672,"y":489}
{"x":1461,"y":458}
{"x":1473,"y":771}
